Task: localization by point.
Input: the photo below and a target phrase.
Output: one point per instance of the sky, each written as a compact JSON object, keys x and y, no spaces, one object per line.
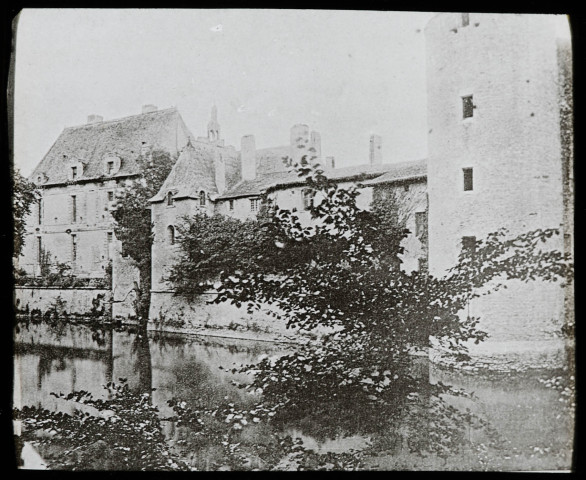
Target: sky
{"x":346,"y":74}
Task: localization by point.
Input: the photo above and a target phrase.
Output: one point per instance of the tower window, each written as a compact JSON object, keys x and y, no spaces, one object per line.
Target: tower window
{"x":465,"y":19}
{"x":109,"y":240}
{"x":202,"y":198}
{"x":73,"y":248}
{"x":468,"y":179}
{"x":73,"y":209}
{"x":40,"y":218}
{"x":231,"y":205}
{"x":420,"y":222}
{"x":170,"y":199}
{"x":469,"y":243}
{"x":39,"y":250}
{"x":467,"y":106}
{"x":171,"y":235}
{"x":254,"y":204}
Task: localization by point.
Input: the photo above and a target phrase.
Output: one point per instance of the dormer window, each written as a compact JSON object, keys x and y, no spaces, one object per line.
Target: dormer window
{"x":202,"y":198}
{"x":110,"y":167}
{"x":73,"y":173}
{"x":111,"y":164}
{"x":170,"y":199}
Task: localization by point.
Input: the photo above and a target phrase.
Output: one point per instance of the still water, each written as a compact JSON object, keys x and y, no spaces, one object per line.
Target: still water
{"x":532,"y":420}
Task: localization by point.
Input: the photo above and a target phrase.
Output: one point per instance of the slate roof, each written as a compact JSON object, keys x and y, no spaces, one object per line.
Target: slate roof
{"x":122,"y":137}
{"x":195,"y":171}
{"x":365,"y":174}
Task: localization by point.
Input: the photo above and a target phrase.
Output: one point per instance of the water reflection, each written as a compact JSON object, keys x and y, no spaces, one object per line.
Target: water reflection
{"x":75,"y":358}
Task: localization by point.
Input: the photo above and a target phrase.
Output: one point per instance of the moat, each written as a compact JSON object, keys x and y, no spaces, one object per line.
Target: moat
{"x":534,"y":421}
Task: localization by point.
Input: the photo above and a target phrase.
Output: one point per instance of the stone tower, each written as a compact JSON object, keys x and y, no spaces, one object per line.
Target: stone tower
{"x":496,"y":158}
{"x":214,"y":126}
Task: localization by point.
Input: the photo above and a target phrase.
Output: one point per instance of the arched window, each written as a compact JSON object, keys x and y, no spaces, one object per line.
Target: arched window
{"x":170,"y":198}
{"x":202,"y":198}
{"x":171,"y":235}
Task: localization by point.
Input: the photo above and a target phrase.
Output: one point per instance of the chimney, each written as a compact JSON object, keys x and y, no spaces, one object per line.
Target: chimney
{"x":220,"y":172}
{"x":248,"y":157}
{"x":315,"y":143}
{"x":299,"y":141}
{"x":376,"y":154}
{"x":149,"y":108}
{"x":94,"y":119}
{"x":330,"y":163}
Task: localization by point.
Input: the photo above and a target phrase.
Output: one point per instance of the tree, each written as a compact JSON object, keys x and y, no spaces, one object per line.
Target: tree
{"x":24,"y":195}
{"x":133,"y":219}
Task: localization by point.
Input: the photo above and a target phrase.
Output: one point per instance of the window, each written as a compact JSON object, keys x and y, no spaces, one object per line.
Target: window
{"x":171,"y":235}
{"x":170,"y":199}
{"x":467,"y":106}
{"x":254,"y":204}
{"x":468,"y":179}
{"x":469,"y":243}
{"x":73,"y":209}
{"x":420,"y":223}
{"x":73,"y":248}
{"x":110,"y":196}
{"x":110,"y":167}
{"x":308,"y":199}
{"x":109,"y":240}
{"x":39,"y":250}
{"x":40,"y":218}
{"x":73,"y":173}
{"x":231,"y":205}
{"x":465,"y":19}
{"x":422,"y":264}
{"x":202,"y":198}
{"x":406,"y":187}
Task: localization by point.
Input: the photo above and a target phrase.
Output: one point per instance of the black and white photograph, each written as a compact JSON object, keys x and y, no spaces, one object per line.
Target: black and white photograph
{"x":292,"y":240}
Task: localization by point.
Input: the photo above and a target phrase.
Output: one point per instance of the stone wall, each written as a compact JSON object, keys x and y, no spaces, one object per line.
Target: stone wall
{"x":78,"y":301}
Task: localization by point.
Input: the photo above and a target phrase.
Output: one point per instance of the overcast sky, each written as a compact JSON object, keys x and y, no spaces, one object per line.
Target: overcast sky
{"x":347,"y":74}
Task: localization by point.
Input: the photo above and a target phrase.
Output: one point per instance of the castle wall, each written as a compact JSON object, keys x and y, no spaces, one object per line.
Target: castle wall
{"x":508,"y":63}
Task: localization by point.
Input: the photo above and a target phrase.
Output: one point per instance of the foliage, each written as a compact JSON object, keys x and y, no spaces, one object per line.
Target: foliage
{"x":24,"y":195}
{"x":133,"y":218}
{"x":122,"y":432}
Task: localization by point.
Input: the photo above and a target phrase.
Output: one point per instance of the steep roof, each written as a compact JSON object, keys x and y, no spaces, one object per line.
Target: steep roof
{"x":365,"y":174}
{"x":195,"y":170}
{"x":122,"y":137}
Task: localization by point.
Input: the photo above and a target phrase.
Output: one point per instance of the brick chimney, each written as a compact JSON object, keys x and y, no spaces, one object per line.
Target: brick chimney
{"x":94,"y":119}
{"x":220,"y":172}
{"x":376,"y":154}
{"x":299,"y":141}
{"x":149,"y":108}
{"x":248,"y":157}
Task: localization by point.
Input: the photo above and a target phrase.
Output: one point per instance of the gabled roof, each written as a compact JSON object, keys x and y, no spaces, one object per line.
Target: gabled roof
{"x":123,"y":138}
{"x":365,"y":174}
{"x":195,"y":170}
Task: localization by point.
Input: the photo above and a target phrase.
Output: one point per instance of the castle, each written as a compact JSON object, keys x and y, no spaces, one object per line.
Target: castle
{"x":500,"y":155}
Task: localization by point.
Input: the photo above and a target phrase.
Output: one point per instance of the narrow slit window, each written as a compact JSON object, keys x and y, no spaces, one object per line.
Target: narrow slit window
{"x":468,"y":179}
{"x":39,"y":250}
{"x":73,"y":248}
{"x":109,"y":240}
{"x":202,"y":199}
{"x":73,"y":209}
{"x":110,"y":196}
{"x":467,"y":106}
{"x":170,"y":199}
{"x":231,"y":205}
{"x":171,"y":235}
{"x":40,"y":212}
